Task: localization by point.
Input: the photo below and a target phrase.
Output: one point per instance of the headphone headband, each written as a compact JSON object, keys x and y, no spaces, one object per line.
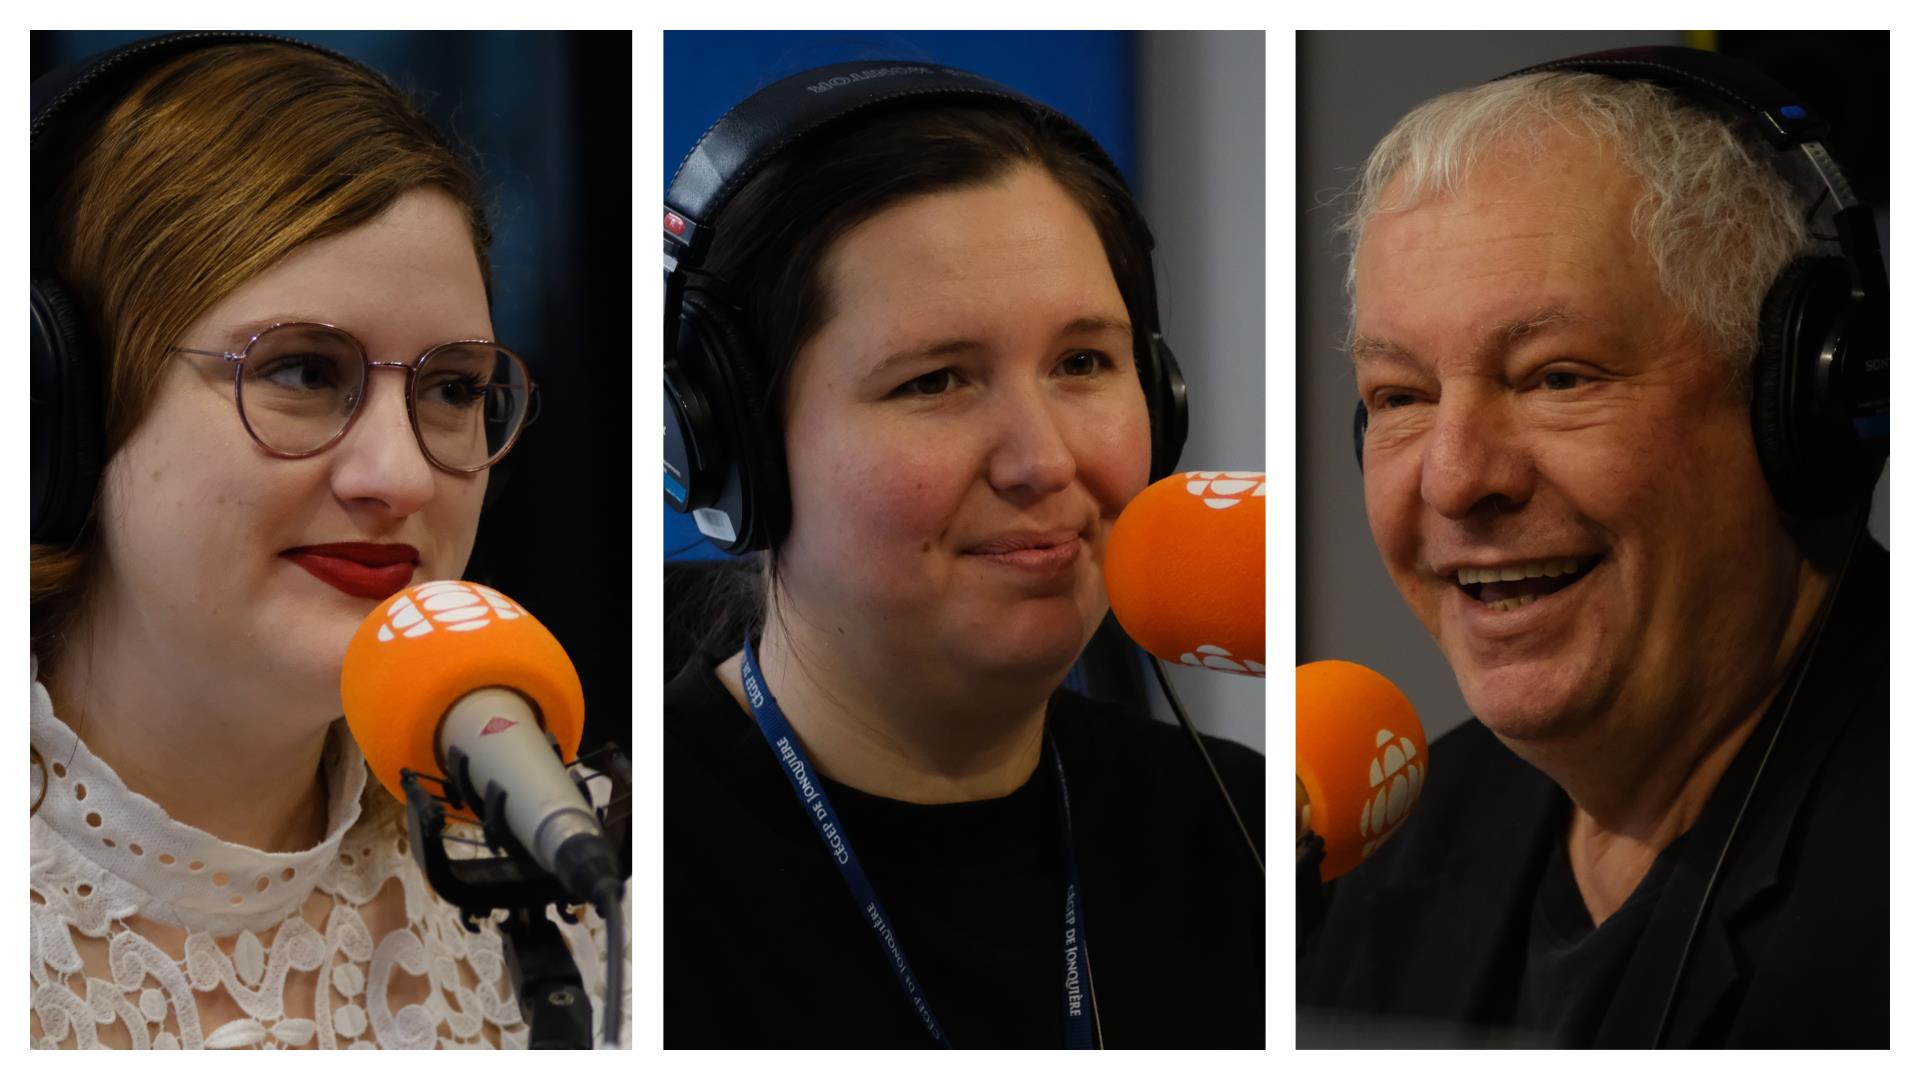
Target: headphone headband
{"x":57,"y":90}
{"x":765,"y":125}
{"x":1782,"y":116}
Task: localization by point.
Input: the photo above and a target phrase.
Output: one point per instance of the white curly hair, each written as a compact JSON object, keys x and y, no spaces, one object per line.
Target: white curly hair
{"x":1721,"y":215}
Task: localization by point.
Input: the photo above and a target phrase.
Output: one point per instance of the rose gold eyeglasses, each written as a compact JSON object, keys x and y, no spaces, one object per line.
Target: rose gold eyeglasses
{"x":299,"y":386}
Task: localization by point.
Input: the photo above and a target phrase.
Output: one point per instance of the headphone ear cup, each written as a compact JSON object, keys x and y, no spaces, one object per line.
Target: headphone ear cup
{"x":1806,"y":461}
{"x":1360,"y":419}
{"x":1165,"y":387}
{"x":68,"y":425}
{"x":745,"y":434}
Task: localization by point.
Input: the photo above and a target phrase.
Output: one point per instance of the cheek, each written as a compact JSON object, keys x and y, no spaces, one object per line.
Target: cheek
{"x":1114,"y":454}
{"x":1689,"y":481}
{"x":1391,"y":493}
{"x":454,"y":520}
{"x":186,"y":496}
{"x":907,"y":491}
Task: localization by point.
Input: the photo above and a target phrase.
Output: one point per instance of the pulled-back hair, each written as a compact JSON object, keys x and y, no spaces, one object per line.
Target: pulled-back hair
{"x":204,"y":175}
{"x":1720,"y":214}
{"x":772,"y":239}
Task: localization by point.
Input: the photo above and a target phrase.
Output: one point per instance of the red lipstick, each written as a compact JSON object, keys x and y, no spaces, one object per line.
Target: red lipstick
{"x":368,"y":571}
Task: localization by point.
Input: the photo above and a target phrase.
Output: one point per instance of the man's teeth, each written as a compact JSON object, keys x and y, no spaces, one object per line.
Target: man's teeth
{"x":1550,"y":568}
{"x":1514,"y":602}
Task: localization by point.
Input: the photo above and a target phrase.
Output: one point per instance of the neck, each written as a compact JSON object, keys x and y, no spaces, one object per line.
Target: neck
{"x":215,"y":764}
{"x":1637,"y":788}
{"x":882,"y":730}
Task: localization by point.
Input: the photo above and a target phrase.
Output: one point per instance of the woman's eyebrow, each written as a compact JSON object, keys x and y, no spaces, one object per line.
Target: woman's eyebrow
{"x":1085,"y":324}
{"x":240,"y":334}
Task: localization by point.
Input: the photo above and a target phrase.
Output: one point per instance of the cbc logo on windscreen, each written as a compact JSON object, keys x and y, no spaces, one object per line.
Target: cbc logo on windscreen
{"x":458,"y":606}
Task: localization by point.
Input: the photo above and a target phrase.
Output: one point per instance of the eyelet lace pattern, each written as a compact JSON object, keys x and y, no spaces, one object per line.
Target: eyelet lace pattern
{"x":340,"y":946}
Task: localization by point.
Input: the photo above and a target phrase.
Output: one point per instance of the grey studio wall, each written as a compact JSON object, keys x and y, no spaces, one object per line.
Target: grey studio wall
{"x":1202,"y":154}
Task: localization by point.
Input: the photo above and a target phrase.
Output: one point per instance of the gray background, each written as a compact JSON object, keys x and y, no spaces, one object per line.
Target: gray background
{"x":1352,"y":88}
{"x":1202,"y":172}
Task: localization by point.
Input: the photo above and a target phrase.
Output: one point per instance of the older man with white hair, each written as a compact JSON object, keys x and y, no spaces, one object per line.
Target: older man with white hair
{"x":1623,"y":408}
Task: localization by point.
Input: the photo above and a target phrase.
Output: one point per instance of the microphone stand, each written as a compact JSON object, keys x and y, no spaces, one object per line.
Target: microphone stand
{"x":546,"y":981}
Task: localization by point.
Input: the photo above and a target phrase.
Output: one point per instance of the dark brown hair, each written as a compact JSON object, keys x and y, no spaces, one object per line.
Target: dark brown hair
{"x":771,"y":241}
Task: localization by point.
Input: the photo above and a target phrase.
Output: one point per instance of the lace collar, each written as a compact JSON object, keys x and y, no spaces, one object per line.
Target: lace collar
{"x":185,"y":876}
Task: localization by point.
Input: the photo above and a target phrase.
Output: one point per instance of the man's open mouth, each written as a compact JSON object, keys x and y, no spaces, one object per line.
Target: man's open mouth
{"x":1514,"y":585}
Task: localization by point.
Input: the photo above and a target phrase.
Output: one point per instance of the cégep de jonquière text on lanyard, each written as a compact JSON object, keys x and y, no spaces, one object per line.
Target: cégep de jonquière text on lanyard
{"x":1077,"y":1000}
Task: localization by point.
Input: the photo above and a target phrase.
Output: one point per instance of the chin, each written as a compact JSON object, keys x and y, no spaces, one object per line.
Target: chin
{"x":1024,"y":647}
{"x":305,"y":653}
{"x":1522,"y":707}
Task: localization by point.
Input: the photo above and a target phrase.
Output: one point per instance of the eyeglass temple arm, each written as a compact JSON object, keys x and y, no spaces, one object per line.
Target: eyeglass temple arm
{"x":227,"y":356}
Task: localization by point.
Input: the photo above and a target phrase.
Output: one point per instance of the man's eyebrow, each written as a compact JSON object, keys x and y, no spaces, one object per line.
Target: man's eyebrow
{"x":1085,"y":324}
{"x":1514,"y":331}
{"x":1500,"y":337}
{"x":1359,"y":346}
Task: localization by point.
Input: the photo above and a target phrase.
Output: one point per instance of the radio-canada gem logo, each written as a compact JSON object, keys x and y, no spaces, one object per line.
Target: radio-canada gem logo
{"x":444,"y":605}
{"x":1221,"y":490}
{"x":1221,"y":659}
{"x":1396,"y":779}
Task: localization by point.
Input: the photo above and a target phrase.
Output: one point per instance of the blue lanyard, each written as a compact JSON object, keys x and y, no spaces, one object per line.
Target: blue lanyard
{"x":1076,"y":986}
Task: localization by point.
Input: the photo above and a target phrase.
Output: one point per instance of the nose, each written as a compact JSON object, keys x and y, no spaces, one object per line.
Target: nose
{"x":1031,"y":453}
{"x":378,"y":465}
{"x":1475,"y":460}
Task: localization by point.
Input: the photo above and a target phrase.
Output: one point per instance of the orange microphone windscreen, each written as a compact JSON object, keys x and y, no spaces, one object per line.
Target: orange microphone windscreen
{"x":1361,"y":758}
{"x":1186,"y":570}
{"x":426,"y":647}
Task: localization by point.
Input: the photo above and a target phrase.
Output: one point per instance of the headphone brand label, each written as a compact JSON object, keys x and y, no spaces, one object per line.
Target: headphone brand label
{"x":675,"y":224}
{"x":852,"y":77}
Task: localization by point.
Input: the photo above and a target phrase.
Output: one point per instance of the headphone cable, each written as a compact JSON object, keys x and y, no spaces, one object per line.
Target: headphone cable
{"x":1166,"y":687}
{"x":1799,"y":679}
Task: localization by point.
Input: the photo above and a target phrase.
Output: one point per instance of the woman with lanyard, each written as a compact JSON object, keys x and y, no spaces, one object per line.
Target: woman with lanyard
{"x":911,"y":327}
{"x":273,"y":269}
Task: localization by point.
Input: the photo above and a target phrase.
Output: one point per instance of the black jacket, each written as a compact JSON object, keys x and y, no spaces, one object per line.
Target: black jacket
{"x":1794,"y":946}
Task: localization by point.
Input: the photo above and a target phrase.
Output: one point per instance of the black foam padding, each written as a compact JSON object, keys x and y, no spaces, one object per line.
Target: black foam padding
{"x":1812,"y":461}
{"x":68,"y":425}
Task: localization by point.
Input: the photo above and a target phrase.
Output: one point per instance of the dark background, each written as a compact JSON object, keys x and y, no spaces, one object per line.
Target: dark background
{"x":547,"y":119}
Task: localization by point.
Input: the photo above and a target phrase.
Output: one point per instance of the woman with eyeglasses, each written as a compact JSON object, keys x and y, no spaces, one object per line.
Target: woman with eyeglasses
{"x":282,"y":267}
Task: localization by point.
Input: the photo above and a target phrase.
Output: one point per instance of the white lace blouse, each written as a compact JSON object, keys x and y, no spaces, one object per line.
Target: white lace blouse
{"x":149,"y":933}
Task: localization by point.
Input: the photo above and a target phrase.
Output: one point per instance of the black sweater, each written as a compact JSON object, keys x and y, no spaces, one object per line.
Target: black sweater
{"x":765,"y":948}
{"x":1437,"y":939}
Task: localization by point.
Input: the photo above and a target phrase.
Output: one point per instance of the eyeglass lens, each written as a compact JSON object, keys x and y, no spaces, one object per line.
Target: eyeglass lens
{"x":300,"y":385}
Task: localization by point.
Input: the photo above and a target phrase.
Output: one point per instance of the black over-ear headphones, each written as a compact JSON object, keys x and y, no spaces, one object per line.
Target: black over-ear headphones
{"x":69,"y":414}
{"x":1820,"y":377}
{"x":725,"y":462}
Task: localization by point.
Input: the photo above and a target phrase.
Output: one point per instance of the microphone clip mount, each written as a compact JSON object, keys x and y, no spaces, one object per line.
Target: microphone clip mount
{"x":505,"y":876}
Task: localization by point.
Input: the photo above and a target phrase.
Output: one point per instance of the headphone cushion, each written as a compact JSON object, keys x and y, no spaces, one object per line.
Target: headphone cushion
{"x":68,"y":425}
{"x":751,"y":436}
{"x":1799,"y":311}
